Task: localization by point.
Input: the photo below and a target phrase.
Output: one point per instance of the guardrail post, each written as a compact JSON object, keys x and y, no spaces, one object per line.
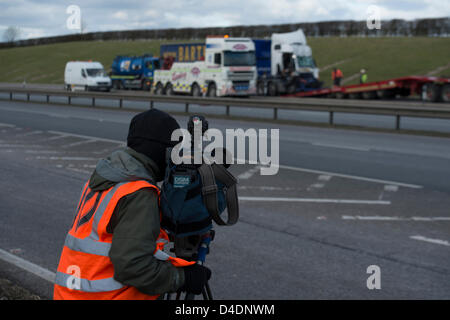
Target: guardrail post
{"x":120,"y":103}
{"x":69,"y":99}
{"x":397,"y":122}
{"x":151,"y":104}
{"x":228,"y":111}
{"x":10,"y":96}
{"x":48,"y":98}
{"x":28,"y":97}
{"x":275,"y":113}
{"x":186,"y":109}
{"x":331,"y":119}
{"x":93,"y":102}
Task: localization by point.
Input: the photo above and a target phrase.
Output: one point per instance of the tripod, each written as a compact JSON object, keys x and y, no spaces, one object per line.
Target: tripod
{"x":184,"y":249}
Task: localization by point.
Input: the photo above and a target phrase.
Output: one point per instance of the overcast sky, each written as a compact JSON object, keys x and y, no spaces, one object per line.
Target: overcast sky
{"x":39,"y":18}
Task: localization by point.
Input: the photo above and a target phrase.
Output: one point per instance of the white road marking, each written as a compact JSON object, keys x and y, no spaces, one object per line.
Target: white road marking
{"x":74,"y":144}
{"x":435,"y":241}
{"x":390,"y":188}
{"x":316,"y":186}
{"x":27,"y":266}
{"x":55,"y":138}
{"x":29,"y":133}
{"x":86,"y":137}
{"x":348,"y":176}
{"x":249,"y":173}
{"x":66,"y":158}
{"x":324,"y":177}
{"x":7,"y":125}
{"x":316,"y":200}
{"x":320,"y":144}
{"x":395,"y":218}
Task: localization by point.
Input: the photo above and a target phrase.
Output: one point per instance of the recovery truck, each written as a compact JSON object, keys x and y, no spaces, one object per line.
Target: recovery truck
{"x":133,"y":72}
{"x":285,"y":64}
{"x":222,"y":66}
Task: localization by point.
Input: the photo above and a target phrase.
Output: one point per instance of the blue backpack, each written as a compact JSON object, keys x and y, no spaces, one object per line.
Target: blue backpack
{"x":193,"y":196}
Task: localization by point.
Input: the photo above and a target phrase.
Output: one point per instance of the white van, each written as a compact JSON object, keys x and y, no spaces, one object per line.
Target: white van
{"x":86,"y":75}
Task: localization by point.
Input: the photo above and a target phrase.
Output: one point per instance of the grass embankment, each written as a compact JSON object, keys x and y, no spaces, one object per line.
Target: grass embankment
{"x":383,"y":58}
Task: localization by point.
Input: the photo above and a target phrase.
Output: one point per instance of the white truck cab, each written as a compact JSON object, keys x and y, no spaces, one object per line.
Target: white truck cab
{"x":228,"y":69}
{"x":290,"y":51}
{"x":86,"y":75}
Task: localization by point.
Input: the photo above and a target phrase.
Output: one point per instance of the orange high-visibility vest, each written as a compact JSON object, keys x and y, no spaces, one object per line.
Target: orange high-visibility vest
{"x":337,"y":74}
{"x":85,"y":271}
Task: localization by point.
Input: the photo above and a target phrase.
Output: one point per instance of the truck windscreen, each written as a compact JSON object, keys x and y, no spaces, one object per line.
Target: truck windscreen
{"x":232,"y":58}
{"x":305,"y":62}
{"x":96,"y":72}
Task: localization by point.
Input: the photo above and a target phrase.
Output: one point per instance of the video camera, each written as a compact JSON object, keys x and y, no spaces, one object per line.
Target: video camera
{"x":194,"y":194}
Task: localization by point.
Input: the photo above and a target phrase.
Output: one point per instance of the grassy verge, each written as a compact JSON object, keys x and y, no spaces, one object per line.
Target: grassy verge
{"x":383,"y":58}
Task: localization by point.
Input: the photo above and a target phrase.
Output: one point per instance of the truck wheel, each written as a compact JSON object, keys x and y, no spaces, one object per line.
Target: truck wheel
{"x":271,"y":89}
{"x":260,"y":88}
{"x":195,"y":91}
{"x":159,"y":90}
{"x":446,"y":92}
{"x":212,"y":91}
{"x":169,"y":89}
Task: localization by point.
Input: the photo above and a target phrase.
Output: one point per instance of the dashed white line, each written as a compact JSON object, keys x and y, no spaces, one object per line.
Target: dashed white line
{"x":316,"y":200}
{"x":435,"y":241}
{"x":395,"y":218}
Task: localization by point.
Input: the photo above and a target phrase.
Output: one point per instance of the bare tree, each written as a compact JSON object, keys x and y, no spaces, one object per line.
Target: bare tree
{"x":11,"y":34}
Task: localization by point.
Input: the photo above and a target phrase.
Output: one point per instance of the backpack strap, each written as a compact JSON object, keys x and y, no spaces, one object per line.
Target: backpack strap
{"x":209,"y":174}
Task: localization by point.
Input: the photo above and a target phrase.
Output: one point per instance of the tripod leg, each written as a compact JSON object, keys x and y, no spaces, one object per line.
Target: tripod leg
{"x":208,"y":291}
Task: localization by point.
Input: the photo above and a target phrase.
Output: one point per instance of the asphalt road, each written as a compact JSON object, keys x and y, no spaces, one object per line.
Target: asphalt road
{"x":341,"y":201}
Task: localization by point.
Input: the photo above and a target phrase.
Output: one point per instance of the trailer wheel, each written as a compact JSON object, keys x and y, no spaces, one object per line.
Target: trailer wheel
{"x":271,"y":89}
{"x":386,"y":94}
{"x":446,"y":92}
{"x":212,"y":91}
{"x":341,"y":95}
{"x":433,"y":92}
{"x":355,"y":96}
{"x":369,"y":95}
{"x":169,"y":89}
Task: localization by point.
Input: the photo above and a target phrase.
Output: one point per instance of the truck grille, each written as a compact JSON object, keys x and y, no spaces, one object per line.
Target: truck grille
{"x":241,"y":85}
{"x":102,"y":83}
{"x":240,"y":75}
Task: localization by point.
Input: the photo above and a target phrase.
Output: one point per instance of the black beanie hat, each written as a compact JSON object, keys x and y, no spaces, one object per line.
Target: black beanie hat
{"x":150,"y":134}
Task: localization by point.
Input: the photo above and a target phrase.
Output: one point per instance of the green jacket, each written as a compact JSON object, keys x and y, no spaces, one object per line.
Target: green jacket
{"x":135,"y":225}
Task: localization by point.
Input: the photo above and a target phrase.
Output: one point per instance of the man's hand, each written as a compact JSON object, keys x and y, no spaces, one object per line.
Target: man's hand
{"x":195,"y":277}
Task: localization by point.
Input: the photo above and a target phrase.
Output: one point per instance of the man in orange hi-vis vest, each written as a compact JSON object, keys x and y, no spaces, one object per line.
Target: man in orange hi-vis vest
{"x":114,"y":248}
{"x":336,"y":76}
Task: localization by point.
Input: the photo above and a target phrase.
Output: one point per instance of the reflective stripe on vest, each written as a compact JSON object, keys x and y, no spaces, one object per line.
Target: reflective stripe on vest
{"x":87,"y":247}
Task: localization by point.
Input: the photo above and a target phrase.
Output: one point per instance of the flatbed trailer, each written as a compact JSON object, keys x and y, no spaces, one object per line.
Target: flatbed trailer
{"x":432,"y":89}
